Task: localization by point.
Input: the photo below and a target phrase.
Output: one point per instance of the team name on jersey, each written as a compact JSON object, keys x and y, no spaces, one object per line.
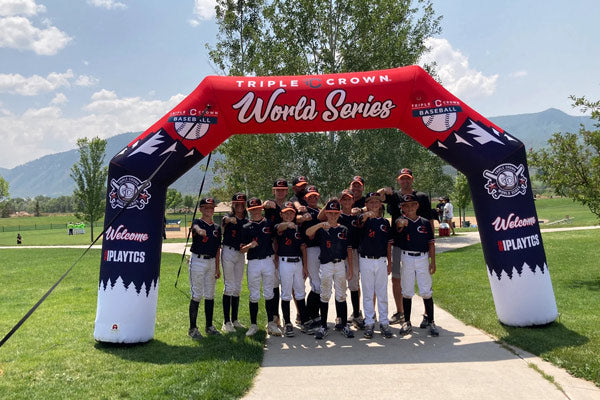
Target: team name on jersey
{"x":125,"y":256}
{"x":519,"y":243}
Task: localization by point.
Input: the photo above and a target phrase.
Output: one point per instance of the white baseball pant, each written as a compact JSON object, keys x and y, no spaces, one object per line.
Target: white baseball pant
{"x":333,"y":274}
{"x":202,"y":278}
{"x":314,"y":265}
{"x":374,"y":280}
{"x":261,"y":270}
{"x":233,"y":262}
{"x":354,"y":283}
{"x":291,"y":278}
{"x":416,"y":267}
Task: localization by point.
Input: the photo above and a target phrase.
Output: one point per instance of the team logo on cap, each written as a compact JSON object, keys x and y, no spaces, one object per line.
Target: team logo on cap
{"x":280,"y":183}
{"x":239,"y":197}
{"x":254,"y":202}
{"x":506,"y":180}
{"x":124,"y":189}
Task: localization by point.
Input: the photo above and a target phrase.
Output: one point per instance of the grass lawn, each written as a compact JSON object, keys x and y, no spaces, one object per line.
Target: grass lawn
{"x":54,"y":355}
{"x":573,"y":341}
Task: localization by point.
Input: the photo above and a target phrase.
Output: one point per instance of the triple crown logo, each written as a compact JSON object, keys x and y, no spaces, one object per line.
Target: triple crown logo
{"x":506,"y":180}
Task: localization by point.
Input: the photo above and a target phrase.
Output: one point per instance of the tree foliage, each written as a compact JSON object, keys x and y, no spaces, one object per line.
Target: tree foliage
{"x":3,"y":189}
{"x":570,"y":164}
{"x":461,"y":195}
{"x":304,"y":37}
{"x":174,"y":199}
{"x":5,"y":204}
{"x":90,"y":181}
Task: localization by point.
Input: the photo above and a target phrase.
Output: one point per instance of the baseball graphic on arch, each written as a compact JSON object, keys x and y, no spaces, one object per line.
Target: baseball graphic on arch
{"x":440,"y":122}
{"x":191,"y":130}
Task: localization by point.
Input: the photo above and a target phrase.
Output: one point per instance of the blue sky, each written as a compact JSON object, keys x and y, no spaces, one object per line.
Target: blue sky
{"x":77,"y":68}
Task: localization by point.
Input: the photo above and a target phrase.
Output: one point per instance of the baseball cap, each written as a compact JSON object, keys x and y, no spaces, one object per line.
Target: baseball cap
{"x":311,"y":191}
{"x":254,"y":202}
{"x":332,"y":206}
{"x":358,"y":179}
{"x":239,"y":197}
{"x":371,"y":196}
{"x":207,"y":201}
{"x":407,"y":198}
{"x":287,"y":206}
{"x":405,"y":172}
{"x":280,"y":184}
{"x":300,"y":181}
{"x":347,"y":192}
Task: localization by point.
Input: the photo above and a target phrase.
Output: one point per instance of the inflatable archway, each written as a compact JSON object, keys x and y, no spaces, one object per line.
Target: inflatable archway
{"x":404,"y":98}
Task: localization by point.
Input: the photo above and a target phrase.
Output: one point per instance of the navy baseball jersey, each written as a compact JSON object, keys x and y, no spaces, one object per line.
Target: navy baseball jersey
{"x":360,"y":203}
{"x":206,"y":245}
{"x":351,"y":222}
{"x":314,"y":212}
{"x":333,"y":243}
{"x":416,"y":236}
{"x":299,"y":198}
{"x":395,"y":199}
{"x":273,"y":214}
{"x":232,"y":233}
{"x":289,"y":242}
{"x":262,"y":232}
{"x":375,"y":235}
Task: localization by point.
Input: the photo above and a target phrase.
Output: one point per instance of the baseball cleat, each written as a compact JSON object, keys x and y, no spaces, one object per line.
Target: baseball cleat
{"x":425,"y":322}
{"x":405,"y":329}
{"x":397,"y":318}
{"x":238,"y":325}
{"x":433,"y":329}
{"x":212,"y":331}
{"x":368,"y":332}
{"x":228,"y":327}
{"x":321,"y":333}
{"x":386,"y":332}
{"x":273,"y":329}
{"x":194,"y":333}
{"x":289,"y":330}
{"x":252,"y":330}
{"x":347,"y":332}
{"x":306,"y":328}
{"x":358,"y":322}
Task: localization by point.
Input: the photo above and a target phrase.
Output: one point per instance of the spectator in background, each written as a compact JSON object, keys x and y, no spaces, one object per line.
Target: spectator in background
{"x":19,"y":238}
{"x":448,"y":213}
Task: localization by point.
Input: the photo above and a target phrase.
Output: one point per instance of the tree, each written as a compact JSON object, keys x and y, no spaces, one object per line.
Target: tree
{"x":3,"y":189}
{"x":174,"y":199}
{"x":90,"y":181}
{"x":570,"y":164}
{"x":4,"y":203}
{"x":188,"y":202}
{"x":291,"y":37}
{"x":461,"y":196}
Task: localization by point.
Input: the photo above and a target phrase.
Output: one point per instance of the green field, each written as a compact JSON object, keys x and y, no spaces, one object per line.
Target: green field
{"x":54,"y":355}
{"x":572,"y":342}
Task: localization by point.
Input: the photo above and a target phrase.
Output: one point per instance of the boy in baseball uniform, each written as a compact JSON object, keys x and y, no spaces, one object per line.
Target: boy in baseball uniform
{"x":418,"y":262}
{"x":204,"y":267}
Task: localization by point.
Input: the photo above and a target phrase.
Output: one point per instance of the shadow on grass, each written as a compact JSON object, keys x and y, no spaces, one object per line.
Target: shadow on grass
{"x":591,"y":284}
{"x":541,"y":339}
{"x":232,"y":347}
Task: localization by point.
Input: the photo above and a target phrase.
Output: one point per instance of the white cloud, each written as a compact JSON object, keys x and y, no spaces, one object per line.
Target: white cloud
{"x":108,"y":4}
{"x":519,"y":74}
{"x":203,"y":10}
{"x":86,"y":80}
{"x":34,"y":85}
{"x":454,"y":70}
{"x":60,"y":98}
{"x":18,"y":33}
{"x":20,"y":7}
{"x":46,"y":130}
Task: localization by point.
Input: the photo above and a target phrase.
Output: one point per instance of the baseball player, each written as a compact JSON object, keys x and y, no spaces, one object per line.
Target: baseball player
{"x":357,"y":186}
{"x":393,"y":198}
{"x":233,"y":261}
{"x":418,"y":262}
{"x":291,"y":252}
{"x":257,"y":241}
{"x":204,"y":267}
{"x":375,"y":259}
{"x":334,"y":248}
{"x":306,"y":220}
{"x":299,"y":185}
{"x":350,"y":220}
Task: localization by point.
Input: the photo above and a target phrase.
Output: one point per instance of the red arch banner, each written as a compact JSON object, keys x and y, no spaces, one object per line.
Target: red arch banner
{"x":405,"y":98}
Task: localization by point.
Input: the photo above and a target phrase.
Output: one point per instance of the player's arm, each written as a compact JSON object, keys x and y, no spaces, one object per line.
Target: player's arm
{"x":350,"y":272}
{"x":432,"y":266}
{"x":304,"y":262}
{"x":217,"y":263}
{"x":389,"y":257}
{"x":321,"y":216}
{"x":275,"y":248}
{"x":310,"y":232}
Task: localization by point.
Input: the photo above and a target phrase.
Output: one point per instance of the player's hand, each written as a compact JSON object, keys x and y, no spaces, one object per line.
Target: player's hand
{"x":269,"y":204}
{"x":325,"y":225}
{"x":306,"y":217}
{"x":432,"y":268}
{"x":356,"y":210}
{"x":200,"y":231}
{"x":302,"y":209}
{"x":217,"y":273}
{"x":389,"y":268}
{"x":230,"y":220}
{"x":401,"y":222}
{"x":276,"y":262}
{"x":350,"y":274}
{"x":291,"y":225}
{"x":253,"y":244}
{"x":305,"y":273}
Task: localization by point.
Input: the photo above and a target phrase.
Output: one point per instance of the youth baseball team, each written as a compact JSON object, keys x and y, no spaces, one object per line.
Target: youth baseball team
{"x":346,"y":244}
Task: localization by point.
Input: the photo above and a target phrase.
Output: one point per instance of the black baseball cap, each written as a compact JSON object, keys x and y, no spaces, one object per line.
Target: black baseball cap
{"x":371,"y":196}
{"x":408,"y":198}
{"x":311,"y":191}
{"x":405,"y":172}
{"x":358,"y":179}
{"x":280,"y":184}
{"x":207,"y":201}
{"x":300,"y":181}
{"x":239,"y":197}
{"x":254,"y":202}
{"x":332,"y":206}
{"x":287,"y":206}
{"x":347,"y":192}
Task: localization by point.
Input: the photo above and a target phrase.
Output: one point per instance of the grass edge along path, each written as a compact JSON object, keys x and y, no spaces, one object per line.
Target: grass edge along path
{"x":54,"y":356}
{"x":572,"y":342}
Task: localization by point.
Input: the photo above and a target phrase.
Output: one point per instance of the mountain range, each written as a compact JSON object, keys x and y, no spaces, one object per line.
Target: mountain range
{"x":50,"y":174}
